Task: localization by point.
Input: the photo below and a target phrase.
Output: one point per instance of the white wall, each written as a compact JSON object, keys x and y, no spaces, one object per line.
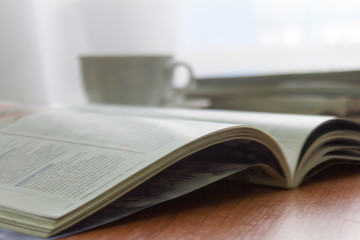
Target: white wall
{"x":21,"y":76}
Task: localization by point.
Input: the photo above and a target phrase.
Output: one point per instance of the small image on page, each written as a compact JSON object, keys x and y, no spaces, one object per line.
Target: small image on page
{"x":10,"y":113}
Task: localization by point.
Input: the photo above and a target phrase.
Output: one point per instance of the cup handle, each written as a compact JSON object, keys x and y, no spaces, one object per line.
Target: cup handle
{"x":191,"y":84}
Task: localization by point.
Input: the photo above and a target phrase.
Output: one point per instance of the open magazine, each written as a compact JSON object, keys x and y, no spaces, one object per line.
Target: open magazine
{"x":63,"y":171}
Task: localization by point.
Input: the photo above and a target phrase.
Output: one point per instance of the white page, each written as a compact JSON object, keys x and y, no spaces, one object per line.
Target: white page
{"x":289,"y":130}
{"x":104,"y":149}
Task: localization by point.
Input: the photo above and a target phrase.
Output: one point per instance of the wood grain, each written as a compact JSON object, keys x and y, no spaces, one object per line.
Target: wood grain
{"x":325,"y":207}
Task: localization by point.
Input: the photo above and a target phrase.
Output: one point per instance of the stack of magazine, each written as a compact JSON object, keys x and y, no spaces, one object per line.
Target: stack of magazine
{"x":326,"y":93}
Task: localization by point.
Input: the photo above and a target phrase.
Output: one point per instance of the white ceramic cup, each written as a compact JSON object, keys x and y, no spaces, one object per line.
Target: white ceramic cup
{"x":141,"y":80}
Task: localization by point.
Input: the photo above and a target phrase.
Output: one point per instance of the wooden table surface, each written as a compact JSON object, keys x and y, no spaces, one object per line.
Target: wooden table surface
{"x":325,"y":207}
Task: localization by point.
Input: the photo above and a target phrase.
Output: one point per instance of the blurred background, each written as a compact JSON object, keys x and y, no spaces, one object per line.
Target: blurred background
{"x":41,"y":40}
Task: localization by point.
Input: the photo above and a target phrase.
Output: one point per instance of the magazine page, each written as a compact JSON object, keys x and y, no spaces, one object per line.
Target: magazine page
{"x":289,"y":130}
{"x":177,"y":180}
{"x":340,"y":145}
{"x":53,"y":162}
{"x":189,"y":174}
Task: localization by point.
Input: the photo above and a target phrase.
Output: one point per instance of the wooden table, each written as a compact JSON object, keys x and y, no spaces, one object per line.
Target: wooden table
{"x":325,"y":207}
